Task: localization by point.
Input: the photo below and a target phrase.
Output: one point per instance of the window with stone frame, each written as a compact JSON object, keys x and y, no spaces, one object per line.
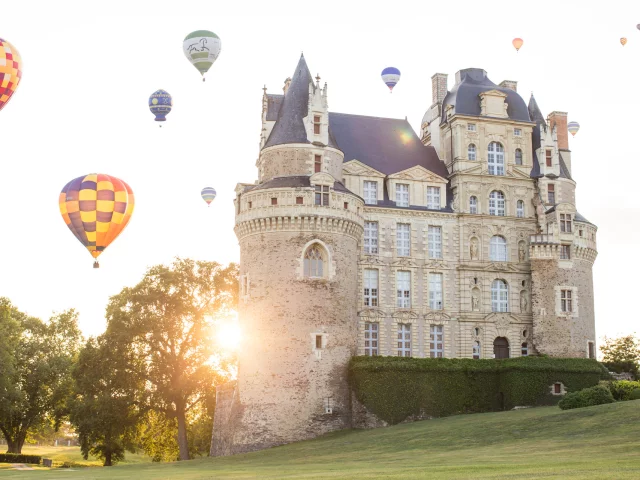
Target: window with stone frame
{"x":499,"y":296}
{"x":402,"y":195}
{"x":498,"y":249}
{"x":551,"y":193}
{"x":520,"y":209}
{"x":566,"y":301}
{"x":370,"y":287}
{"x":434,"y":237}
{"x":316,"y":124}
{"x":403,"y":239}
{"x":549,"y":158}
{"x":317,"y":163}
{"x":517,"y":132}
{"x":565,"y":222}
{"x":435,"y":291}
{"x":322,"y":195}
{"x":473,"y":204}
{"x":371,"y":330}
{"x":404,"y":339}
{"x":371,"y":238}
{"x":518,"y":156}
{"x":314,"y":259}
{"x":433,"y":198}
{"x":591,"y":347}
{"x":370,"y":192}
{"x":495,"y":159}
{"x":565,"y":252}
{"x":403,"y":289}
{"x":476,"y":350}
{"x":471,"y":127}
{"x":436,"y":341}
{"x":497,"y":203}
{"x":524,"y":349}
{"x":471,"y":152}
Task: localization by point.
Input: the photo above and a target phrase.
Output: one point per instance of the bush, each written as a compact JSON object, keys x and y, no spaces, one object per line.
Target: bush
{"x":622,"y":389}
{"x":587,"y":397}
{"x":635,"y":395}
{"x":19,"y":458}
{"x":622,"y":367}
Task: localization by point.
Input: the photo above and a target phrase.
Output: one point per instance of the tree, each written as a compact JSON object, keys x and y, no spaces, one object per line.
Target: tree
{"x":37,"y":379}
{"x":167,"y":320}
{"x":621,"y":354}
{"x":108,"y":400}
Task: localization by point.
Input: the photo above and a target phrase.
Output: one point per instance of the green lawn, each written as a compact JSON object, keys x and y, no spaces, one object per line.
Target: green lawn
{"x":597,"y":442}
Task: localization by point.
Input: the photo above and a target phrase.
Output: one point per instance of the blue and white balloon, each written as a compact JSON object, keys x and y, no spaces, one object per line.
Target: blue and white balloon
{"x":160,"y":103}
{"x":390,"y":76}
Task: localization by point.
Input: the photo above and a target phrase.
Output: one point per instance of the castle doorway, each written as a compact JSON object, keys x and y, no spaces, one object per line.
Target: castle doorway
{"x":501,"y":347}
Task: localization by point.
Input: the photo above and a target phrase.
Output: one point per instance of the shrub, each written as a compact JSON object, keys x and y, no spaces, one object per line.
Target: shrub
{"x":622,"y":367}
{"x":622,"y":389}
{"x":587,"y":397}
{"x":19,"y":458}
{"x":635,"y":395}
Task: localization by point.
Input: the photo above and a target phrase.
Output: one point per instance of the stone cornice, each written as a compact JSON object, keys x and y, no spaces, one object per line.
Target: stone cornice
{"x":299,"y":223}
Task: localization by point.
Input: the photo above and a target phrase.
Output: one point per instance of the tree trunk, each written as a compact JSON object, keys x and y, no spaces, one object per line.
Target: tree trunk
{"x":15,"y":446}
{"x":183,"y":443}
{"x":107,"y":459}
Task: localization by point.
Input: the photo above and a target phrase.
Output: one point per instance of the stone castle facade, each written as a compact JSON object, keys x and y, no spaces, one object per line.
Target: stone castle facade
{"x":362,"y":238}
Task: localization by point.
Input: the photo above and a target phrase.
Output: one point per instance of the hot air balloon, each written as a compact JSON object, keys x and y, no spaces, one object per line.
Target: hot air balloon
{"x":208,"y":194}
{"x":160,"y":103}
{"x":10,"y":71}
{"x":517,"y":43}
{"x":623,"y":41}
{"x":573,"y":128}
{"x":202,"y":48}
{"x":638,"y":26}
{"x":390,"y":76}
{"x":96,"y":208}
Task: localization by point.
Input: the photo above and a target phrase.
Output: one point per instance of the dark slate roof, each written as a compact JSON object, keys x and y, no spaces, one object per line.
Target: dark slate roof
{"x":464,"y":96}
{"x":293,"y":181}
{"x":274,"y":102}
{"x":536,"y":116}
{"x":564,"y":171}
{"x":535,"y":170}
{"x":579,"y":218}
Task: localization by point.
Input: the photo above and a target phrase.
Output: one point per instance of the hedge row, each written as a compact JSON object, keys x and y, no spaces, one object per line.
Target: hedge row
{"x":394,"y":388}
{"x":19,"y":458}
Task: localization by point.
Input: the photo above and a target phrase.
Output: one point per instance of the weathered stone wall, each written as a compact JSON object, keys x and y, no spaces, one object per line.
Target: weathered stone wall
{"x":298,"y":159}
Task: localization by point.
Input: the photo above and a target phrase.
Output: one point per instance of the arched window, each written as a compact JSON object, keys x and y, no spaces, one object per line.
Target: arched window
{"x":498,"y":249}
{"x":525,"y":350}
{"x":314,"y":262}
{"x":471,"y":152}
{"x":501,"y":348}
{"x":499,"y":296}
{"x":496,"y":203}
{"x":473,"y":204}
{"x":495,"y":158}
{"x":518,"y":156}
{"x":476,"y":350}
{"x":520,"y":209}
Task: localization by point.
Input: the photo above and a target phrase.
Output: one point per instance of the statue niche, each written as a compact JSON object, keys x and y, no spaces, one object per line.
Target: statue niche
{"x":524,"y":302}
{"x":522,"y":252}
{"x":473,"y":249}
{"x":475,"y":300}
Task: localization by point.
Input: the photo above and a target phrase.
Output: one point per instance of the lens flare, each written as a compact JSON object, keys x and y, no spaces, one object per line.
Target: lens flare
{"x":228,"y":334}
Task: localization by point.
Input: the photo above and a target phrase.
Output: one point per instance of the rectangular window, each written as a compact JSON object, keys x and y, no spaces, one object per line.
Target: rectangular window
{"x":371,"y":238}
{"x":402,"y":195}
{"x":471,"y":127}
{"x":403,"y":240}
{"x":473,"y":205}
{"x":318,"y":341}
{"x":549,"y":158}
{"x":274,"y":201}
{"x":551,"y":193}
{"x":370,"y":287}
{"x":433,"y":198}
{"x":322,"y":195}
{"x":566,"y":301}
{"x":476,"y":350}
{"x":517,"y":132}
{"x":318,"y":163}
{"x":592,"y":350}
{"x":404,"y":339}
{"x":250,"y":203}
{"x":299,"y":200}
{"x":346,"y":205}
{"x":434,"y":237}
{"x":403,"y":287}
{"x":371,"y":193}
{"x":436,"y":341}
{"x":524,"y":349}
{"x":435,"y":291}
{"x":565,"y":252}
{"x":316,"y":124}
{"x":565,"y":223}
{"x":371,"y":339}
{"x":557,"y":388}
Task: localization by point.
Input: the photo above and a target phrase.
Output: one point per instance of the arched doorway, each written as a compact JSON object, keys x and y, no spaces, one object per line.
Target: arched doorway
{"x":501,"y":347}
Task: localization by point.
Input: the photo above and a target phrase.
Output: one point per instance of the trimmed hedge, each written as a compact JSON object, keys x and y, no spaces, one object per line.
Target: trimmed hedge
{"x":635,"y":395}
{"x":622,"y":389}
{"x":19,"y":458}
{"x":622,"y":367}
{"x":587,"y":397}
{"x":394,"y":388}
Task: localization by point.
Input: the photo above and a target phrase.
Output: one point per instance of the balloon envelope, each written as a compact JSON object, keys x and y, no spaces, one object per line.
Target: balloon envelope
{"x":517,"y":43}
{"x":10,"y":71}
{"x":96,"y":208}
{"x":202,"y":48}
{"x":623,"y":41}
{"x":573,"y":128}
{"x":390,"y":76}
{"x":208,"y":194}
{"x":160,"y":104}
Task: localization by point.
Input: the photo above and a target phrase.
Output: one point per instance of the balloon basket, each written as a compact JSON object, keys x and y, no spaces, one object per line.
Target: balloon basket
{"x":96,"y":264}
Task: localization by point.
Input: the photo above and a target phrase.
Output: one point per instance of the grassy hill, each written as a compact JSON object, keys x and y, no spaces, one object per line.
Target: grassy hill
{"x":595,"y":442}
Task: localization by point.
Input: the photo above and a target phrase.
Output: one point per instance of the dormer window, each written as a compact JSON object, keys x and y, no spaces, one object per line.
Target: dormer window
{"x":316,"y":124}
{"x":565,"y":223}
{"x":549,"y":155}
{"x":370,"y":192}
{"x":517,"y":132}
{"x":402,"y":195}
{"x":322,"y":195}
{"x":433,"y":198}
{"x":471,"y":127}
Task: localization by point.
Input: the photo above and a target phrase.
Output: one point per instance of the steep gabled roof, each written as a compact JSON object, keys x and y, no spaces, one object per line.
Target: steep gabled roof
{"x":536,"y":116}
{"x":564,"y":171}
{"x":274,"y":102}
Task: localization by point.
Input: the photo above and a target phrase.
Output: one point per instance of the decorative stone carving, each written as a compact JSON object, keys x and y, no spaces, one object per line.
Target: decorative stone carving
{"x":437,"y":317}
{"x":473,"y":250}
{"x":454,"y":203}
{"x":502,"y":325}
{"x":524,"y":303}
{"x":475,"y":303}
{"x":372,"y":313}
{"x":522,"y":254}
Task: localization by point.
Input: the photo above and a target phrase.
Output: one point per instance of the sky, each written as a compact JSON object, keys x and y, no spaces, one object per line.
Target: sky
{"x":89,"y":68}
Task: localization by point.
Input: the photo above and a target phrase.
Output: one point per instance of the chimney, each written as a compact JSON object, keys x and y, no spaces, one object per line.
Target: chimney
{"x":287,"y":82}
{"x":559,"y":120}
{"x":439,"y":87}
{"x":510,"y":84}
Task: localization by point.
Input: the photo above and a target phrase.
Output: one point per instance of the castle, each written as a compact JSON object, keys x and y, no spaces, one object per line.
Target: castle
{"x":362,"y":238}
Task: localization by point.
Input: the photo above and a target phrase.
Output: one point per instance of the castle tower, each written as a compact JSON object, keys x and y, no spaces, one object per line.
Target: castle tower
{"x":299,"y":230}
{"x":563,"y":252}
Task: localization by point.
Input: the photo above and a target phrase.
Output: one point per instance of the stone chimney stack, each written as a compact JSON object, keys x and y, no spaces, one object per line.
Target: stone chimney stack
{"x":559,"y":120}
{"x":287,"y":82}
{"x":510,"y":84}
{"x":439,"y":87}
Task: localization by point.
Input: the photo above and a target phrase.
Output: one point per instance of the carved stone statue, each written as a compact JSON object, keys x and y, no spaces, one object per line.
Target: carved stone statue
{"x":522,"y":255}
{"x":523,"y":302}
{"x":474,"y":303}
{"x":474,"y":249}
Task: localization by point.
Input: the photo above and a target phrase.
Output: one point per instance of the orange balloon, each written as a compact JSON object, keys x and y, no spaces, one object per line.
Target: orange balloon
{"x":623,"y":41}
{"x":517,"y":43}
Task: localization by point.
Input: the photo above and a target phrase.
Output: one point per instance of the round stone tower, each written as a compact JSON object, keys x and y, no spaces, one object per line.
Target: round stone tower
{"x":299,"y":230}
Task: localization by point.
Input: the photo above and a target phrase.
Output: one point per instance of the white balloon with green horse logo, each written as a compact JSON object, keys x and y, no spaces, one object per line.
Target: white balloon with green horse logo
{"x":202,"y":48}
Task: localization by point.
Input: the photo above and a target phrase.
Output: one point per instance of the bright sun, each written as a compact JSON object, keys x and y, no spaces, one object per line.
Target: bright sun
{"x":228,"y":333}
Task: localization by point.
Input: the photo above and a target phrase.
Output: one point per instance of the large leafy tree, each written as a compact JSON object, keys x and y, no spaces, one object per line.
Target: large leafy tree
{"x":167,"y":320}
{"x":36,"y":378}
{"x":108,"y":400}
